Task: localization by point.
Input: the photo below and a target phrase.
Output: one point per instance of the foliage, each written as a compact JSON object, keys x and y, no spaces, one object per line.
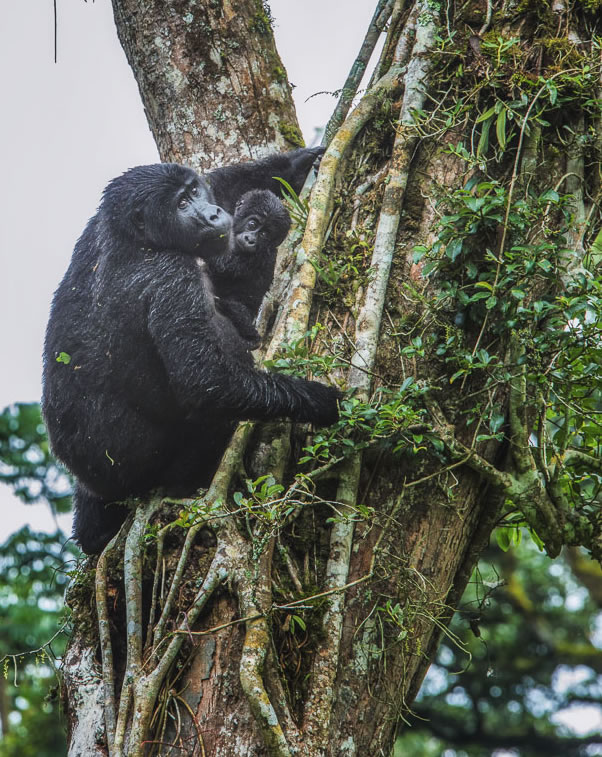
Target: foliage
{"x":342,"y":273}
{"x":297,"y":207}
{"x":299,"y":358}
{"x":507,"y":262}
{"x":528,"y":627}
{"x":26,"y":464}
{"x":33,"y":577}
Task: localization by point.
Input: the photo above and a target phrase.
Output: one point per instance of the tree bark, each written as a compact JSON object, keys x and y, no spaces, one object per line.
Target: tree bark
{"x":212,"y":83}
{"x":293,"y":633}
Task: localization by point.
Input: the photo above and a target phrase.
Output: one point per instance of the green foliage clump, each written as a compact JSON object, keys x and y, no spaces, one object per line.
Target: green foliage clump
{"x":297,"y":358}
{"x":344,"y":268}
{"x":262,"y":21}
{"x":390,"y":420}
{"x":27,"y":464}
{"x":34,"y":571}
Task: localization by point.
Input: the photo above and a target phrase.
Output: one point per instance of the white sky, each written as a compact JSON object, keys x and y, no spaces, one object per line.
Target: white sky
{"x":67,"y":129}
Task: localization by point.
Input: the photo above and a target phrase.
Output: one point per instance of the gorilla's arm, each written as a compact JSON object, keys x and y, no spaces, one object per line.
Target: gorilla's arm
{"x":201,"y":353}
{"x":241,"y":317}
{"x":230,"y":182}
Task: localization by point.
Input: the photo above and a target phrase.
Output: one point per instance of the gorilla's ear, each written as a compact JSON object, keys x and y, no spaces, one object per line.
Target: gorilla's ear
{"x":137,"y":218}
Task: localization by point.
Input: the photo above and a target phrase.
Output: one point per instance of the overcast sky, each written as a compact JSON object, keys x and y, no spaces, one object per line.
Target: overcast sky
{"x":68,"y":128}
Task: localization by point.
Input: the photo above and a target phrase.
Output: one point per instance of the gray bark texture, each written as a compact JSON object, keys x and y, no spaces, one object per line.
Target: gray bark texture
{"x":213,"y":85}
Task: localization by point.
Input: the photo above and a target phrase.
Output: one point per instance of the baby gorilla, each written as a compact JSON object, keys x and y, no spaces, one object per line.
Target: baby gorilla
{"x":144,"y":379}
{"x":243,"y":276}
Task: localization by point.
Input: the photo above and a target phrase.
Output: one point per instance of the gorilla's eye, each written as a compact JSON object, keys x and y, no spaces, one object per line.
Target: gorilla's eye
{"x":252,"y":224}
{"x":194,"y":191}
{"x":183,"y":203}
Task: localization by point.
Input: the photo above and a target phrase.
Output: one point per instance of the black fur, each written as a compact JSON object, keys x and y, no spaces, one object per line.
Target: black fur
{"x":151,"y":378}
{"x":231,"y":182}
{"x":243,"y":276}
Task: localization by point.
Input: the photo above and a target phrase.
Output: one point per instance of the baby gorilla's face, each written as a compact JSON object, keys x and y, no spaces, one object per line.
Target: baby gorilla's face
{"x":249,"y":237}
{"x":260,"y":221}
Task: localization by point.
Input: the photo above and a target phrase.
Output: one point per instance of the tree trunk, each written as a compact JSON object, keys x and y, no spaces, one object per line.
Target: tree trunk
{"x":213,"y":85}
{"x":310,"y":624}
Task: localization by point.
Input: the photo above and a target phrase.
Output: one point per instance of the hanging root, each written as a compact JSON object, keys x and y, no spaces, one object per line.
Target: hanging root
{"x":370,"y":309}
{"x":132,"y":576}
{"x":106,"y":647}
{"x":254,"y":597}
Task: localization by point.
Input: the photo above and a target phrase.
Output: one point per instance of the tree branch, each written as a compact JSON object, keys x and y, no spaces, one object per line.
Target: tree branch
{"x":321,"y":697}
{"x":379,"y":19}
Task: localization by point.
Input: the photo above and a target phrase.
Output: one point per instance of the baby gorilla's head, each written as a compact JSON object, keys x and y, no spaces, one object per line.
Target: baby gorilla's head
{"x":260,"y":221}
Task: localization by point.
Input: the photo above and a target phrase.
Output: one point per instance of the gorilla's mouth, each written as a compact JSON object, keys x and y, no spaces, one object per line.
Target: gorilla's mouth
{"x":216,"y":232}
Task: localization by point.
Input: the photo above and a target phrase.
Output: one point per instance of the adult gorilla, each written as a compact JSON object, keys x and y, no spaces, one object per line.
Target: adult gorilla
{"x":144,"y":379}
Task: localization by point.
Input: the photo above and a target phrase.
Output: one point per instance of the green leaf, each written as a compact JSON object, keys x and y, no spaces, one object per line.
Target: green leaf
{"x":487,"y":114}
{"x":63,"y":357}
{"x":457,"y":375}
{"x":437,"y":444}
{"x":471,"y":270}
{"x":500,"y":129}
{"x":419,"y":252}
{"x":496,"y":422}
{"x":484,"y":140}
{"x":300,"y":622}
{"x":504,"y":537}
{"x":454,"y":248}
{"x":475,"y":203}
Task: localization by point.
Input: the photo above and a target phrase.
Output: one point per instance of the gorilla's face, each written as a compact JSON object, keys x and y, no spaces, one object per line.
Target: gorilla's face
{"x":260,"y":221}
{"x":181,"y":215}
{"x":167,"y":207}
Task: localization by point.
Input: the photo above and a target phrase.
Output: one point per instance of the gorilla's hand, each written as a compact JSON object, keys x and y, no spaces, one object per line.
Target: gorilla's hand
{"x":318,"y":403}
